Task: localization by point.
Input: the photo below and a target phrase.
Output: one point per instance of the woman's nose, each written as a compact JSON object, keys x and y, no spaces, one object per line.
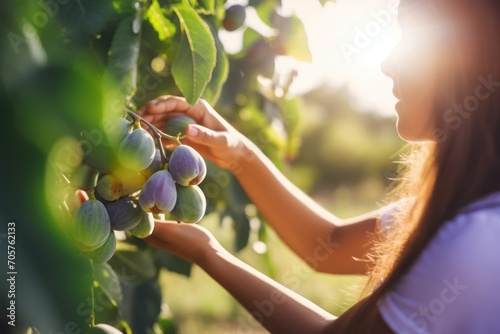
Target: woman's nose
{"x":388,"y":66}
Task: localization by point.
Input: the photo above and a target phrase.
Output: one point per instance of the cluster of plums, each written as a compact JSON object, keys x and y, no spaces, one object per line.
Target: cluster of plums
{"x":131,"y":183}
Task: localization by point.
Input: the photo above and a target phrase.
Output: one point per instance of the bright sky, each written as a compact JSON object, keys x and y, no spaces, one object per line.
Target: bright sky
{"x":349,"y":40}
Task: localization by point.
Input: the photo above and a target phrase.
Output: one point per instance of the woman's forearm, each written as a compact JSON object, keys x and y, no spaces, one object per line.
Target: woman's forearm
{"x":307,"y":228}
{"x":277,"y":308}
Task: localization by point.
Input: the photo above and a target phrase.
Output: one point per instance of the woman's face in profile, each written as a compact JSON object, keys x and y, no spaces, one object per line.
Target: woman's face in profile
{"x":413,"y":67}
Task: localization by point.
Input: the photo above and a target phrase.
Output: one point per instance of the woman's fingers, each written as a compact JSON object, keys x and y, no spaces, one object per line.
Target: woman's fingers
{"x":166,"y":104}
{"x":188,"y":241}
{"x":76,"y":200}
{"x":157,"y":109}
{"x":208,"y":137}
{"x":165,"y":107}
{"x":81,"y":196}
{"x":211,"y":136}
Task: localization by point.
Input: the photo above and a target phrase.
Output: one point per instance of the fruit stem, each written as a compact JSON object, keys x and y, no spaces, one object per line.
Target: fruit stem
{"x":162,"y":151}
{"x":164,"y":135}
{"x":154,"y":128}
{"x":91,"y":194}
{"x":136,"y":124}
{"x":178,"y":139}
{"x":92,"y":310}
{"x":158,"y":134}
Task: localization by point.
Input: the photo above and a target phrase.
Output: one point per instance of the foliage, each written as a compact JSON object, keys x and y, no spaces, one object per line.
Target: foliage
{"x":334,"y":129}
{"x":66,"y":67}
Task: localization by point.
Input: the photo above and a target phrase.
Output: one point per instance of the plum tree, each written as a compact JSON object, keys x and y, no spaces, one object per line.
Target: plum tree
{"x":110,"y":64}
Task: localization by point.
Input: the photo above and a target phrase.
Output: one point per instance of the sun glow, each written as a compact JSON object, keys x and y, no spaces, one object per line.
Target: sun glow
{"x":348,"y":39}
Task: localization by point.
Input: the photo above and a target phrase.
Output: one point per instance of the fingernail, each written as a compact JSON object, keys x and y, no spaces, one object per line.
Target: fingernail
{"x":192,"y":131}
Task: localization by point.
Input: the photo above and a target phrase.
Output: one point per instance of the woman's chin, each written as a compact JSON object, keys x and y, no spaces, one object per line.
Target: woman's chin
{"x":408,"y":133}
{"x":413,"y":137}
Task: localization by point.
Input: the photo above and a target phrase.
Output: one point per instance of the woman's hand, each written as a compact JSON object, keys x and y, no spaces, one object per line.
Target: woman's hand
{"x":212,"y":136}
{"x":189,"y":241}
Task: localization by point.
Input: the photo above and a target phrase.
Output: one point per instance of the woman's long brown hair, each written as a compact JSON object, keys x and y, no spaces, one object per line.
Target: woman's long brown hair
{"x":461,"y":166}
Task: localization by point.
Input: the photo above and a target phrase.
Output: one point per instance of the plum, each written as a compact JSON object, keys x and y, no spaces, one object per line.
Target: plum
{"x":145,"y":227}
{"x":158,"y":194}
{"x":187,"y":166}
{"x":137,"y":150}
{"x":191,"y":204}
{"x":101,"y":157}
{"x":91,"y":225}
{"x":109,"y":188}
{"x":234,"y":18}
{"x":103,"y":329}
{"x":154,"y":166}
{"x":121,"y":182}
{"x":104,"y":252}
{"x":177,"y":125}
{"x":124,"y":213}
{"x":130,"y":180}
{"x":84,"y":177}
{"x":117,"y":130}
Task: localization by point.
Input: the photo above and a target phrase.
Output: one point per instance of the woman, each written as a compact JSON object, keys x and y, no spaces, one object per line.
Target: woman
{"x":434,"y":268}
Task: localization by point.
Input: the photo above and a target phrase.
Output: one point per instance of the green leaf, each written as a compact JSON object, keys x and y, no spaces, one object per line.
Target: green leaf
{"x":160,"y":23}
{"x":124,"y":7}
{"x":195,"y":59}
{"x":242,"y":230}
{"x":266,"y":10}
{"x":220,"y":10}
{"x":220,"y":72}
{"x":87,"y":17}
{"x":250,"y":37}
{"x":237,"y":201}
{"x":123,"y":56}
{"x":108,"y":282}
{"x":207,"y":7}
{"x":175,"y":263}
{"x":292,"y":37}
{"x":291,"y":114}
{"x":141,"y":305}
{"x":165,"y":325}
{"x":133,"y":266}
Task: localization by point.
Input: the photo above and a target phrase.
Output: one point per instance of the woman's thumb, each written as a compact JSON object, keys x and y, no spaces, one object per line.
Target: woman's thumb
{"x":205,"y":136}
